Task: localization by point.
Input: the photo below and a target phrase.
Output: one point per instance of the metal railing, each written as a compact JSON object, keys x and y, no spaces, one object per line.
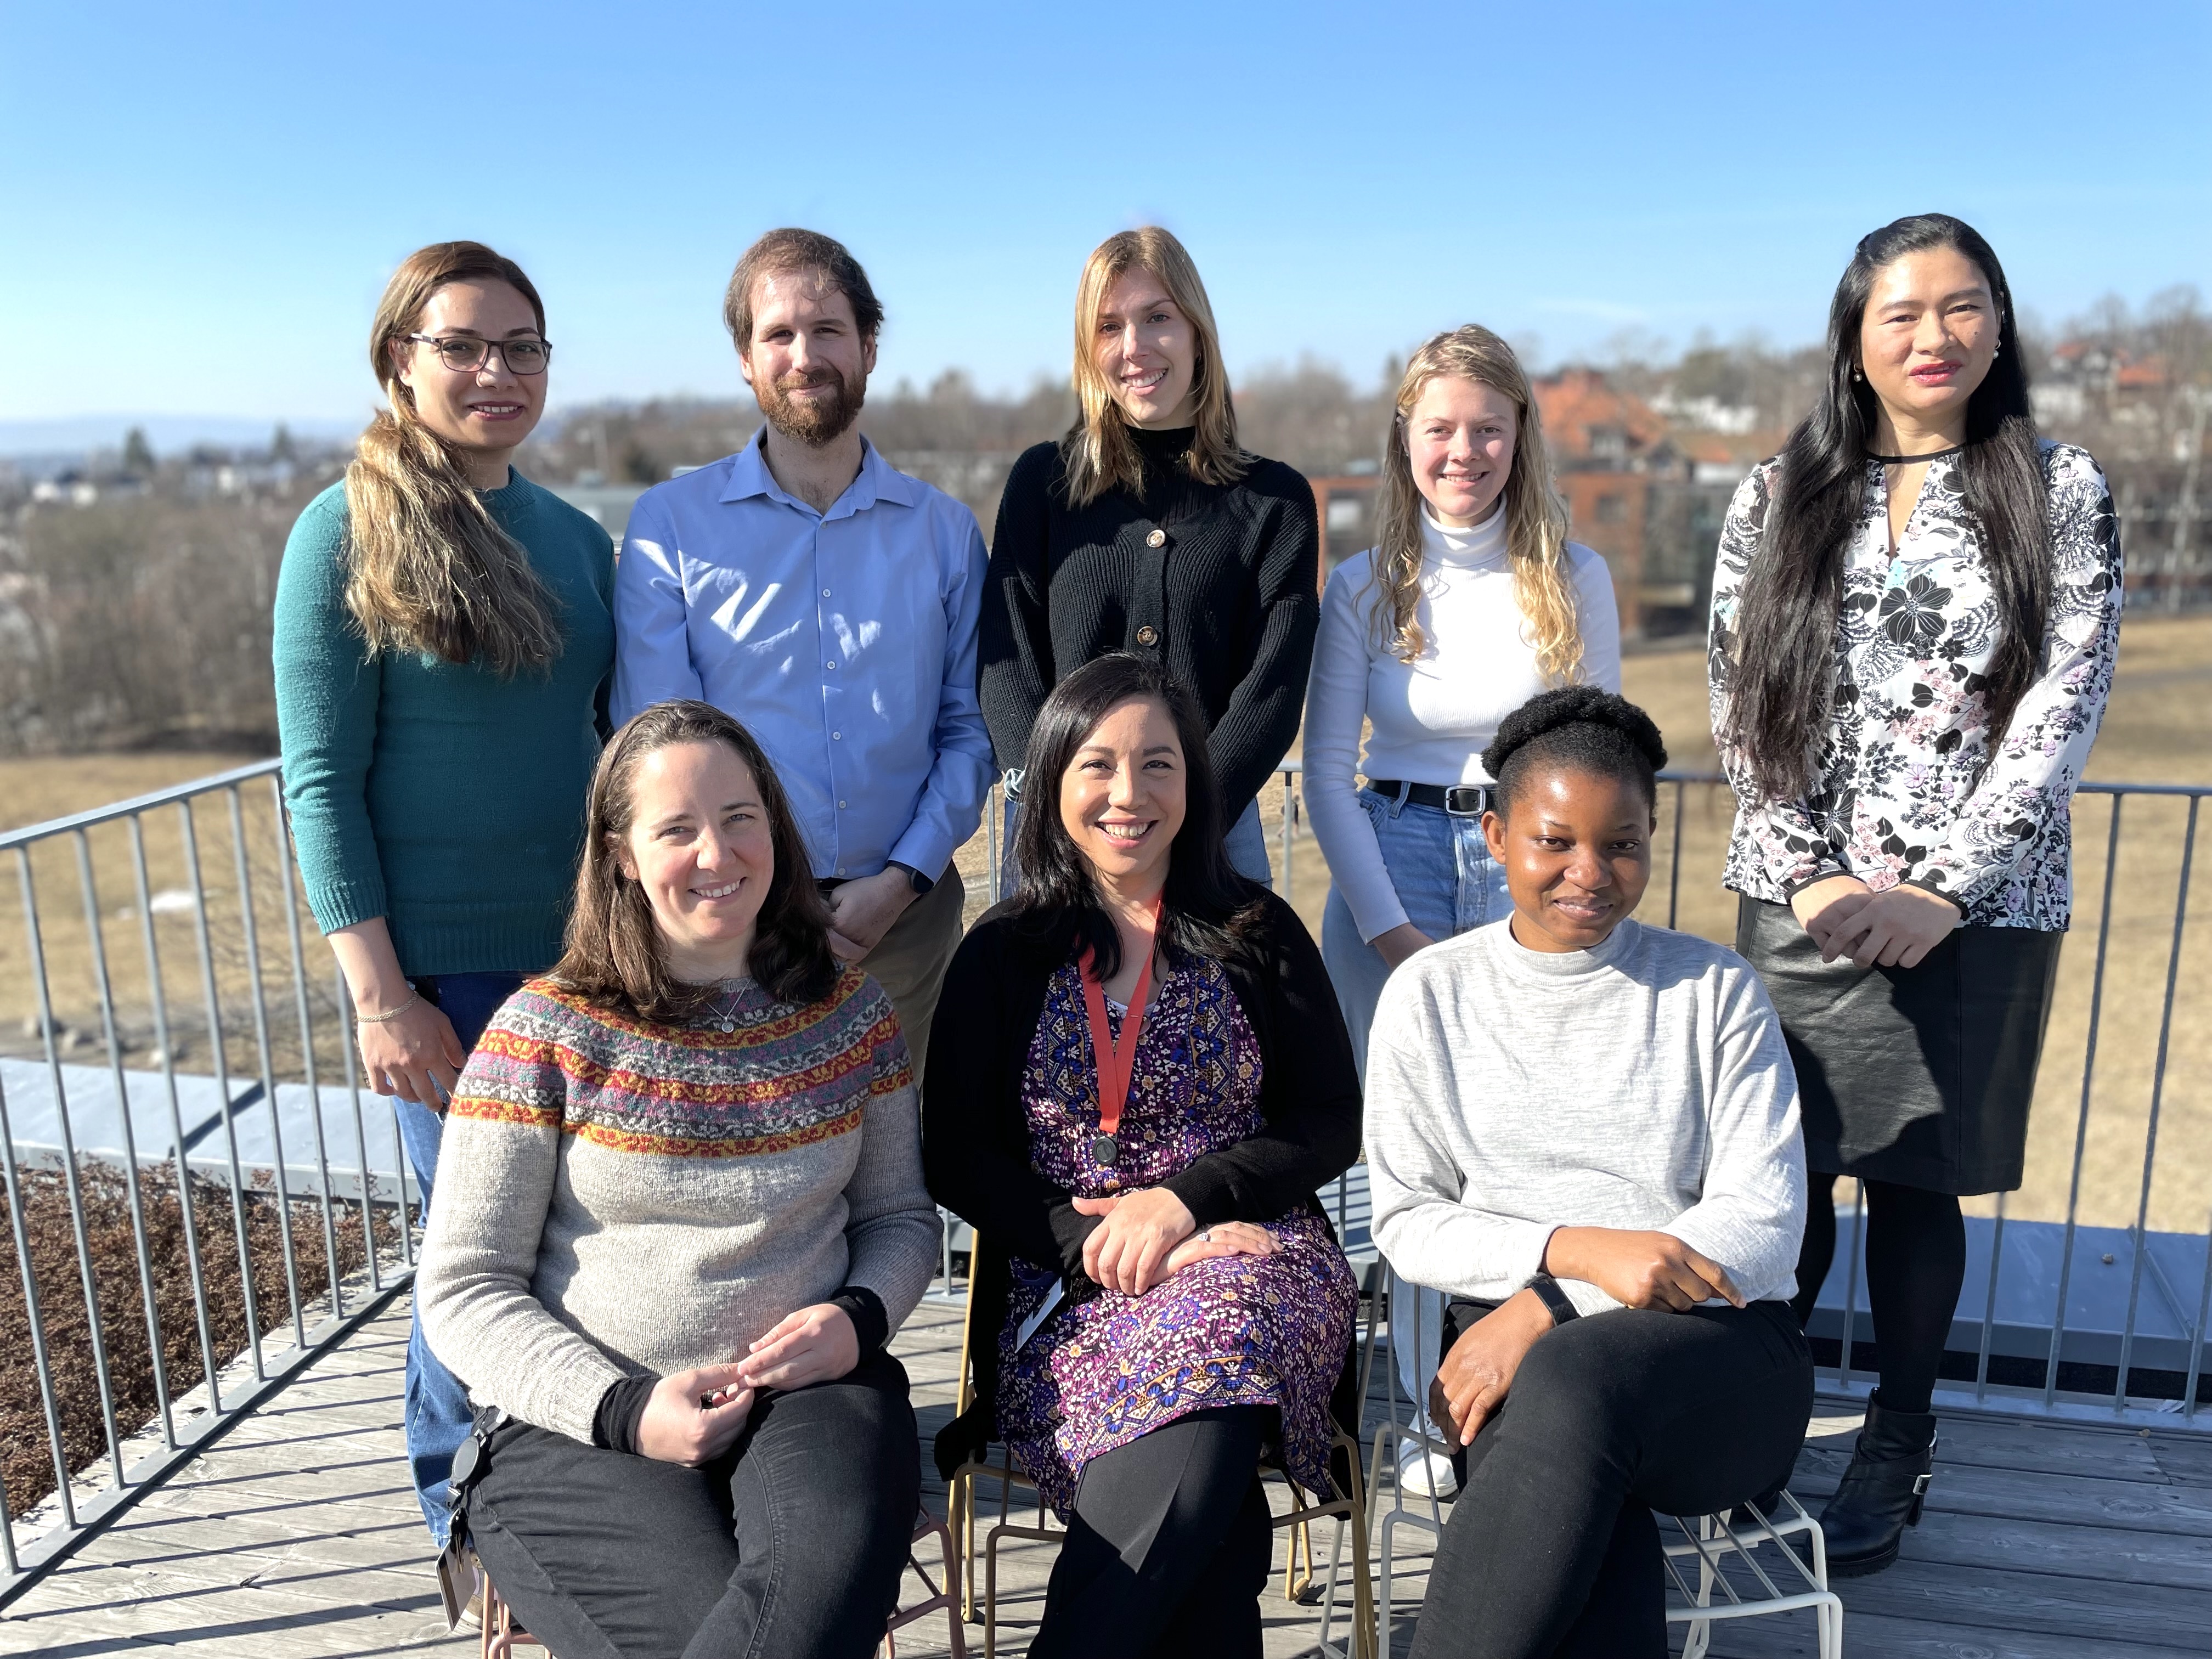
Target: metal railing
{"x":198,"y":1116}
{"x":289,"y":1242}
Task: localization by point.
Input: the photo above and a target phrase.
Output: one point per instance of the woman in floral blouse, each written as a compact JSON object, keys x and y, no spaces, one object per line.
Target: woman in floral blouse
{"x":1915,"y":614}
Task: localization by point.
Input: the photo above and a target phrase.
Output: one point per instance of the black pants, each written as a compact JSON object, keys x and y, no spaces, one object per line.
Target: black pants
{"x":1552,"y":1549}
{"x":789,"y":1546}
{"x":1170,"y":1547}
{"x":1916,"y":1264}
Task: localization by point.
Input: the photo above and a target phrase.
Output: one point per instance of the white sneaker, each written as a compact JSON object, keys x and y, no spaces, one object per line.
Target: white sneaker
{"x":1424,"y":1473}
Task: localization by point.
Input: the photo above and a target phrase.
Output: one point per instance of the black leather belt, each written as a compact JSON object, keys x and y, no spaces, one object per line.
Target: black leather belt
{"x":1461,"y":800}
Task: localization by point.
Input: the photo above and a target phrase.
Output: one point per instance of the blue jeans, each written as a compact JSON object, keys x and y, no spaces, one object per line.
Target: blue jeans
{"x":437,"y":1417}
{"x":1246,"y":843}
{"x":1445,"y":877}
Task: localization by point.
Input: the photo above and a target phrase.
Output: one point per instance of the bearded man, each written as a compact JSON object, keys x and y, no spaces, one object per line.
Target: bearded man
{"x":830,"y":602}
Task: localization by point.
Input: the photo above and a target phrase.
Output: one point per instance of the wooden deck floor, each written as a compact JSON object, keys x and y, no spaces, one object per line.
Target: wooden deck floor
{"x":297,"y":1535}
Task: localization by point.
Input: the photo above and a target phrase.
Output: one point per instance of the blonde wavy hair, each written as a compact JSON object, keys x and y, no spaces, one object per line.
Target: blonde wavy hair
{"x":428,"y":568}
{"x":1099,"y":452}
{"x":1535,"y":517}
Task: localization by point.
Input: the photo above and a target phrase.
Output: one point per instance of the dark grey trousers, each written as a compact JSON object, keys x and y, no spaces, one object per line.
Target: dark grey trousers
{"x":789,"y":1546}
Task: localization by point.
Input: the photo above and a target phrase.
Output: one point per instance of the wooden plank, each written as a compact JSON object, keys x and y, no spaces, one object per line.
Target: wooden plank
{"x":1994,"y":1599}
{"x":1790,"y":1636}
{"x":2186,"y":1458}
{"x":2061,"y":1549}
{"x":2048,"y":1447}
{"x":2064,"y":1499}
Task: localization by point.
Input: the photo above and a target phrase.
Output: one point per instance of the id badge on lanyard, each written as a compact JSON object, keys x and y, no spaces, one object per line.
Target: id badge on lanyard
{"x":1117,"y":1062}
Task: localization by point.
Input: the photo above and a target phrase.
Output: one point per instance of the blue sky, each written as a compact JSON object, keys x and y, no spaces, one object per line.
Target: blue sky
{"x":200,"y":205}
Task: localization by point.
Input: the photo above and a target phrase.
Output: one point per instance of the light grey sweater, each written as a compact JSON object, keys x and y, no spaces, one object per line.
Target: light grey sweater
{"x":1642,"y":1084}
{"x":617,"y":1197}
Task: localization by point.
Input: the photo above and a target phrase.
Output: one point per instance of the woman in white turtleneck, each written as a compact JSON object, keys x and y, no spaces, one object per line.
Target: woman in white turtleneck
{"x":1472,"y":602}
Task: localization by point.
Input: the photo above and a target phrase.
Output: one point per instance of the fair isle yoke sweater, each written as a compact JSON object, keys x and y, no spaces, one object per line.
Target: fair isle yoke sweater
{"x":618,"y":1198}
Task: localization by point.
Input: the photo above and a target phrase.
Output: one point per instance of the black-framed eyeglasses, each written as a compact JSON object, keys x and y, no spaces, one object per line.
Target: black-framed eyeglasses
{"x":464,"y":354}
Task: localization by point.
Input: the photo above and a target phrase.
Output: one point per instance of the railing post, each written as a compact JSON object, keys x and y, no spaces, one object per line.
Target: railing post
{"x":163,"y":1042}
{"x":2157,"y":1097}
{"x":2082,"y":1118}
{"x":268,"y":1064}
{"x":70,"y":1173}
{"x":306,"y":1039}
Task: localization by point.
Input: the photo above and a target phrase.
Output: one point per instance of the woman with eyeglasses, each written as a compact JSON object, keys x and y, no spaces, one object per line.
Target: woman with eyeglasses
{"x":443,"y":642}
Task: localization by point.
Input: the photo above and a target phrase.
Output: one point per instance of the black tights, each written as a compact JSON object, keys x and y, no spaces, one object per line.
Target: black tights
{"x":1170,"y":1547}
{"x":1916,"y":1262}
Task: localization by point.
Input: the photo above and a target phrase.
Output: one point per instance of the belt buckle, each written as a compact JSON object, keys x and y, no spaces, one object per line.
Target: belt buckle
{"x":1458,"y":794}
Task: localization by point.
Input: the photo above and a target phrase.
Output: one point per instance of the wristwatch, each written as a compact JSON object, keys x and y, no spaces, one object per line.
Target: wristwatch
{"x":914,"y":878}
{"x":1549,"y":1293}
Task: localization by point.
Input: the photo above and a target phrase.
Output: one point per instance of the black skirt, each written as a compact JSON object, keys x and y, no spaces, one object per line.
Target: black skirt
{"x":1920,"y":1076}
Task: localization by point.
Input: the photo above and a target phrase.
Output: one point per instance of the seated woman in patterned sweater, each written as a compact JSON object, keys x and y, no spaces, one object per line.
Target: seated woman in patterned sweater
{"x":1138,"y":1077}
{"x":680,"y":1209}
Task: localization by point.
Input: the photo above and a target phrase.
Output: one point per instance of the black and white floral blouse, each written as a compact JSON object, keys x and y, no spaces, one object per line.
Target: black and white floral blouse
{"x":1906,"y":788}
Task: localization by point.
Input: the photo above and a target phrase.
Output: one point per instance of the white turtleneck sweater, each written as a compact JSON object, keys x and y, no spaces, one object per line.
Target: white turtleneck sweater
{"x":1434,"y":716}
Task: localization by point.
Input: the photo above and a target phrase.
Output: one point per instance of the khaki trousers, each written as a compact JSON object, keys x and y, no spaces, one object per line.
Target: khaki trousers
{"x":909,"y":961}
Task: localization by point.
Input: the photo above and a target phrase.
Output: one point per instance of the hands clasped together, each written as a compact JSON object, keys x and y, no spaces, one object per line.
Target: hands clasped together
{"x":693,"y":1417}
{"x":1638,"y":1269}
{"x":1894,"y":928}
{"x":1148,"y":1235}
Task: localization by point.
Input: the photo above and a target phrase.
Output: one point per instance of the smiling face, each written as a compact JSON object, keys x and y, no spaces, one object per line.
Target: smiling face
{"x":1928,"y":338}
{"x":1577,"y":850}
{"x":700,"y":845}
{"x":808,"y":362}
{"x":1460,"y":437}
{"x":485,"y":413}
{"x":1147,"y":352}
{"x":1122,"y":798}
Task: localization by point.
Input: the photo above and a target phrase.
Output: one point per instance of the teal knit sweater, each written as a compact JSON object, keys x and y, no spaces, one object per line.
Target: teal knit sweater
{"x":439,"y":796}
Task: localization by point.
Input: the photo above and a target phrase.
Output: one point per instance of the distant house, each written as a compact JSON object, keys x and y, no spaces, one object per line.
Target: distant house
{"x":1648,"y":499}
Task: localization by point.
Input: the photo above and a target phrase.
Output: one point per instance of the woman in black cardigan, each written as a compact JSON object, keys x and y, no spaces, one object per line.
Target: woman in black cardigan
{"x":1148,"y":529}
{"x":1137,"y":1079}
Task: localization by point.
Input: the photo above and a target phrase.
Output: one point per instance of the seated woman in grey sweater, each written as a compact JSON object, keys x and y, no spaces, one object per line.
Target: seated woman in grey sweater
{"x":680,"y":1209}
{"x":1584,"y":1131}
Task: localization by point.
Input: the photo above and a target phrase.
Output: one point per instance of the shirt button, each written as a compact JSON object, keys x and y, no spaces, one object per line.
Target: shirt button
{"x":1148,"y":635}
{"x":840,"y":869}
{"x":1158,"y":539}
{"x":825,"y":593}
{"x":828,"y":665}
{"x":840,"y":805}
{"x":837,"y":737}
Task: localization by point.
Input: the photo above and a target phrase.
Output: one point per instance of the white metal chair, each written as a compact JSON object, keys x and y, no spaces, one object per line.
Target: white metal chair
{"x":1394,"y":1433}
{"x":1709,"y":1538}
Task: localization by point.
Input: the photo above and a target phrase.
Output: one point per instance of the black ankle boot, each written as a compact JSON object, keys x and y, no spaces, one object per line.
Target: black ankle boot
{"x":1882,"y":1493}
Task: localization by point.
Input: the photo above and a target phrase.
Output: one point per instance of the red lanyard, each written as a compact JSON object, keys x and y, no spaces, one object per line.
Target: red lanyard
{"x":1116,"y":1061}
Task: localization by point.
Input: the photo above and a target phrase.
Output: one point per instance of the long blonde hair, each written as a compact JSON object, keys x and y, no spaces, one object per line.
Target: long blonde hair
{"x":1098,"y":452}
{"x":428,"y":568}
{"x":1535,"y":517}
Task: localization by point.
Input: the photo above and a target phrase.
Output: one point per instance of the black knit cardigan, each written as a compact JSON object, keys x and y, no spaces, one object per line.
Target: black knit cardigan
{"x":975,"y":1139}
{"x":1219,"y":581}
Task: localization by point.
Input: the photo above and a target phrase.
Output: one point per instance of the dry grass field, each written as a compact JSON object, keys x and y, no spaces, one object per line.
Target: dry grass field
{"x":2158,"y":730}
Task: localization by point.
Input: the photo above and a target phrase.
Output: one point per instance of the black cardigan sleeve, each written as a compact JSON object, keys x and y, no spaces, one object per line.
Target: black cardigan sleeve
{"x":975,"y":1140}
{"x":1257,"y":728}
{"x":1309,"y":1086}
{"x":1015,"y":669}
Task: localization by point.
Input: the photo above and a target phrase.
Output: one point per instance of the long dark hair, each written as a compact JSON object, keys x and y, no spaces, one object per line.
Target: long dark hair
{"x":1781,"y":694}
{"x":612,"y":950}
{"x":1208,"y":906}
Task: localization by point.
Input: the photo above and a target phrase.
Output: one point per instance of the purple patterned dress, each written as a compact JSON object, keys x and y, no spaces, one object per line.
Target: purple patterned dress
{"x":1240,"y":1330}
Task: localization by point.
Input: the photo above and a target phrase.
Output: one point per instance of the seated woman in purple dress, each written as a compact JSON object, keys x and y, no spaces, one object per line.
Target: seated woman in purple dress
{"x":1138,"y":1079}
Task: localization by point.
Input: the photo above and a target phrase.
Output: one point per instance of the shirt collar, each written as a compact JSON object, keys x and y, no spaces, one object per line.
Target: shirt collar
{"x":877,"y":481}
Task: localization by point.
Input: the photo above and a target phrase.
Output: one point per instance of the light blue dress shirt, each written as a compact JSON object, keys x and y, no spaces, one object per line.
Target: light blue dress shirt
{"x":844,"y":640}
